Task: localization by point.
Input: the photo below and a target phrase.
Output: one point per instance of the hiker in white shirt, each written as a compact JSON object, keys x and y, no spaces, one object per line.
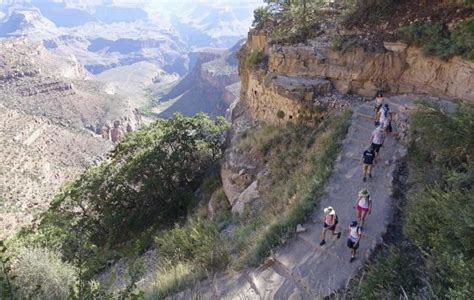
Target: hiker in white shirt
{"x":377,"y":139}
{"x":353,"y":239}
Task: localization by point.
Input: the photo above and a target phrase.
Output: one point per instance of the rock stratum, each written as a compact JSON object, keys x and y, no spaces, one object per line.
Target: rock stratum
{"x":295,"y":75}
{"x":52,"y":115}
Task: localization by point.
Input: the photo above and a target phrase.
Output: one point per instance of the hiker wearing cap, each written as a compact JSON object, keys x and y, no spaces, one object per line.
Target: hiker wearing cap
{"x":363,"y":206}
{"x":353,"y":239}
{"x":376,"y":140}
{"x":330,"y":223}
{"x":378,"y":106}
{"x":368,"y":160}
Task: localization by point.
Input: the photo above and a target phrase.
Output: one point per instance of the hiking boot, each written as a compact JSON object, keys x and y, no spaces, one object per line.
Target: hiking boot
{"x":322,"y":243}
{"x":364,"y":179}
{"x":352,"y":259}
{"x":339,"y":235}
{"x":370,"y":175}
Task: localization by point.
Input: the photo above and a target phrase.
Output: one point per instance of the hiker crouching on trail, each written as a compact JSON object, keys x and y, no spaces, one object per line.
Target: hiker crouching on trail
{"x":363,"y":206}
{"x":368,"y":160}
{"x":330,"y":223}
{"x":353,"y":239}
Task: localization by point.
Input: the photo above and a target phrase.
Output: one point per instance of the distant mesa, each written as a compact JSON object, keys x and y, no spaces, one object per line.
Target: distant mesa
{"x":21,"y":23}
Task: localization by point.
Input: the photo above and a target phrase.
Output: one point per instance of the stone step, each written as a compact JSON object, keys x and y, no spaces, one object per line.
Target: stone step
{"x":294,"y":278}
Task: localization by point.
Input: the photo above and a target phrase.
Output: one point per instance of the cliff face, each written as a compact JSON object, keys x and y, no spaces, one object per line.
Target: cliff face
{"x":399,"y":70}
{"x":209,"y":87}
{"x":294,"y":75}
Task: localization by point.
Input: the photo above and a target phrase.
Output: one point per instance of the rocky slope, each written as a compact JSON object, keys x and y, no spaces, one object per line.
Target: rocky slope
{"x":52,"y":119}
{"x":37,"y":82}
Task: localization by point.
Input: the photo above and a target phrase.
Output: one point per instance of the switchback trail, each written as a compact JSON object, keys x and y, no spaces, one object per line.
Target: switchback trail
{"x":302,"y":269}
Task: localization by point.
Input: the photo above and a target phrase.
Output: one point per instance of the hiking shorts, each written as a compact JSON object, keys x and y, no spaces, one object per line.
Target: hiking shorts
{"x":361,"y":209}
{"x":330,"y":227}
{"x":351,"y":244}
{"x":376,"y":147}
{"x":367,"y":168}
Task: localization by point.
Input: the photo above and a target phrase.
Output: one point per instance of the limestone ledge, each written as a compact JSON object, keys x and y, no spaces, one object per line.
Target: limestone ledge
{"x":400,"y":69}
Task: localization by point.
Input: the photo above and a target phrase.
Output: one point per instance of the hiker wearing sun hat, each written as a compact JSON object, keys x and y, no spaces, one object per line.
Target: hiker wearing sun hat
{"x":353,"y":239}
{"x":363,"y":206}
{"x":330,"y":224}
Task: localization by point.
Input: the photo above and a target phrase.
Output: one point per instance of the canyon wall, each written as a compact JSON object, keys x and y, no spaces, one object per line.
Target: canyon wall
{"x":292,"y":77}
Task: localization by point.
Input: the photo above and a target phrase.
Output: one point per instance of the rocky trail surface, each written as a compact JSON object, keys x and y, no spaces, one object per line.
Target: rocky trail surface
{"x":304,"y":270}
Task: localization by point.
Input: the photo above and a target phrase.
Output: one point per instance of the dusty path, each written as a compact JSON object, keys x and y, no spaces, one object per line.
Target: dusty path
{"x":303,"y":269}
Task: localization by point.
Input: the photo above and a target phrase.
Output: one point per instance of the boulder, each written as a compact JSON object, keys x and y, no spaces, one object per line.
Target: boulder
{"x":247,"y":197}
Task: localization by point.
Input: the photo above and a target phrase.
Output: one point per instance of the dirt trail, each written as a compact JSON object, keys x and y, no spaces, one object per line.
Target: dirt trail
{"x":302,"y":269}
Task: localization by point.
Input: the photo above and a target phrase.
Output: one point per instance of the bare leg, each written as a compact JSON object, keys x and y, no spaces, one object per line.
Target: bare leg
{"x":362,"y":218}
{"x":338,"y":233}
{"x":359,"y":216}
{"x":323,"y":234}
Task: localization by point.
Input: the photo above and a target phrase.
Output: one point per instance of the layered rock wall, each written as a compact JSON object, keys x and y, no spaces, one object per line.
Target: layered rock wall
{"x":398,"y":69}
{"x":405,"y":70}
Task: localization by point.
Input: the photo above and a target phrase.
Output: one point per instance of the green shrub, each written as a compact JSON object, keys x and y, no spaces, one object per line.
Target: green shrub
{"x":255,"y":57}
{"x":369,"y":12}
{"x":392,"y":274}
{"x":346,"y":43}
{"x":170,"y":278}
{"x":149,"y":179}
{"x":196,"y":242}
{"x":443,"y":231}
{"x":435,"y":39}
{"x":42,"y":273}
{"x":7,"y":279}
{"x":260,"y":140}
{"x":463,"y":37}
{"x":260,"y":16}
{"x":280,"y":114}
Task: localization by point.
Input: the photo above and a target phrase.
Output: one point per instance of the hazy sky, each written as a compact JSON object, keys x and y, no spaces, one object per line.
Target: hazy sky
{"x":146,"y":2}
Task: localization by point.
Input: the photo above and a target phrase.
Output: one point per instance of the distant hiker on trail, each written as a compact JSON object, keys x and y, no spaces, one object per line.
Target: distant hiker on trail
{"x":377,"y":139}
{"x":330,"y":223}
{"x":363,"y":206}
{"x":385,"y":119}
{"x":368,"y":160}
{"x":353,"y":239}
{"x":378,"y":106}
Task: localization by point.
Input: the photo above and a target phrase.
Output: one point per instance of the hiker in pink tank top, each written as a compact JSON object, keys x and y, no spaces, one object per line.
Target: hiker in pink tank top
{"x":363,"y":206}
